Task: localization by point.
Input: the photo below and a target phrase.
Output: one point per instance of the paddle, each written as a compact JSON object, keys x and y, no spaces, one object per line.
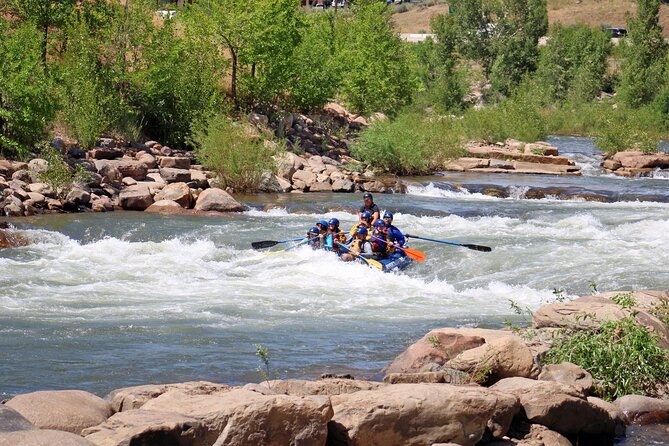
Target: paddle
{"x":415,"y":254}
{"x":269,"y":243}
{"x":304,"y":240}
{"x":370,"y":262}
{"x":446,"y":242}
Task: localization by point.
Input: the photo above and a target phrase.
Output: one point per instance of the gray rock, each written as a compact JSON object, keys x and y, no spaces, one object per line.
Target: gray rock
{"x":171,"y":175}
{"x":215,"y":199}
{"x":78,"y":197}
{"x":11,"y":420}
{"x":136,"y":198}
{"x":174,"y":162}
{"x":39,"y":437}
{"x":640,"y":409}
{"x":568,"y":373}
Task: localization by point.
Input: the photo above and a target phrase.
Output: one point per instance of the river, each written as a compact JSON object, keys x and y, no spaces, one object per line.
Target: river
{"x":103,"y":301}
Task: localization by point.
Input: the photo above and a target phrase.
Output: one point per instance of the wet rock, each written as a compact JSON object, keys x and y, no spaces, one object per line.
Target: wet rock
{"x":65,"y":410}
{"x":215,"y":199}
{"x":147,"y":428}
{"x":13,"y":207}
{"x":135,"y":198}
{"x":420,"y":414}
{"x":39,"y":437}
{"x":568,"y":373}
{"x":177,"y":192}
{"x":559,"y":407}
{"x":9,"y":239}
{"x":11,"y":420}
{"x":640,"y":409}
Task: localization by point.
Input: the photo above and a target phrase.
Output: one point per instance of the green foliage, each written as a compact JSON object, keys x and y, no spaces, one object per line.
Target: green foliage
{"x":410,"y":144}
{"x":573,"y":63}
{"x":26,"y":107}
{"x":378,"y":75}
{"x":237,"y":156}
{"x":434,"y":341}
{"x":263,"y":369}
{"x":316,"y":73}
{"x":58,"y":174}
{"x":644,"y":67}
{"x":175,"y":88}
{"x":502,"y":36}
{"x":625,"y":300}
{"x":623,"y":357}
{"x":620,"y":133}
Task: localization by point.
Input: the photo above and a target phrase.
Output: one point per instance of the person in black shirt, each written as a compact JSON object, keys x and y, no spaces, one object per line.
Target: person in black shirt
{"x":370,"y":207}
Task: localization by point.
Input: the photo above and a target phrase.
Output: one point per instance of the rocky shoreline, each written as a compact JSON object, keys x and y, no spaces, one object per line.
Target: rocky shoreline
{"x":456,"y":386}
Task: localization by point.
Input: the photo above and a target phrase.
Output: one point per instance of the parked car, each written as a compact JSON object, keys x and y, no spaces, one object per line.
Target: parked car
{"x":616,"y":32}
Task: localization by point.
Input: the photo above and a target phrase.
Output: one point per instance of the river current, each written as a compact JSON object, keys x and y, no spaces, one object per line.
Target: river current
{"x":103,"y":301}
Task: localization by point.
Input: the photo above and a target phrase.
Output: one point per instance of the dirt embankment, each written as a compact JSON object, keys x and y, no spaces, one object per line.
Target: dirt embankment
{"x":611,"y":13}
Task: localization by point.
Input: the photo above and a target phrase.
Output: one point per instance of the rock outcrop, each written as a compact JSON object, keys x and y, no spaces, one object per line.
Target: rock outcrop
{"x":631,"y":163}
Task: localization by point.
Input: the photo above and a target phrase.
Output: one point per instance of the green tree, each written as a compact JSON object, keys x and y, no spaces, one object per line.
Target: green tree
{"x":378,"y":75}
{"x":573,"y":63}
{"x":502,"y":35}
{"x":644,"y":66}
{"x":26,"y":107}
{"x":43,"y":14}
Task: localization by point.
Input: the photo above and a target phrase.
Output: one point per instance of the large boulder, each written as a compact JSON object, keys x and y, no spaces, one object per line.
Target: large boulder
{"x":174,"y":162}
{"x":65,"y":410}
{"x":420,"y":414}
{"x":505,"y":357}
{"x":287,"y":164}
{"x":179,"y":192}
{"x":124,"y":167}
{"x":591,"y":311}
{"x":9,"y":239}
{"x":559,"y":407}
{"x":639,"y":160}
{"x":640,"y":409}
{"x":104,"y":153}
{"x":242,"y":417}
{"x":129,"y":398}
{"x":145,"y":427}
{"x":215,"y":199}
{"x":614,"y":412}
{"x":39,"y":437}
{"x":11,"y":420}
{"x":135,"y":198}
{"x":568,"y":373}
{"x":440,"y":345}
{"x":172,"y":175}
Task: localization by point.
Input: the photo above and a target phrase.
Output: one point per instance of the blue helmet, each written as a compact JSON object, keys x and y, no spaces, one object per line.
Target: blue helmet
{"x":366,"y":216}
{"x":379,"y":224}
{"x":314,"y":230}
{"x":387,"y":214}
{"x":333,"y":222}
{"x":322,"y":223}
{"x":362,"y":231}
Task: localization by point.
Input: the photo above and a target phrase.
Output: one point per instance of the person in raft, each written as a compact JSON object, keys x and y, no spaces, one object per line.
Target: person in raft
{"x":335,"y":236}
{"x":369,"y":206}
{"x":379,"y":240}
{"x":365,"y":222}
{"x":360,"y":246}
{"x":395,"y":236}
{"x":313,"y":235}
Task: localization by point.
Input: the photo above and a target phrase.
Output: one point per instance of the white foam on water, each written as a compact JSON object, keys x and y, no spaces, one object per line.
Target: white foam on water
{"x":430,"y":190}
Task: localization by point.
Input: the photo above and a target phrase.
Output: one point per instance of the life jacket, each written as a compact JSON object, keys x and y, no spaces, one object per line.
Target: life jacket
{"x":358,"y":246}
{"x":379,"y":248}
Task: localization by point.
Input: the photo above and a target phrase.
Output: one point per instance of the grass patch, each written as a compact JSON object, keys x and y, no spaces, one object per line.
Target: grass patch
{"x":623,"y":357}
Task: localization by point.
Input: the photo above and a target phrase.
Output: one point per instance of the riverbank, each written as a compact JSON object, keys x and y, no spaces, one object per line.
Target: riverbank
{"x":495,"y":382}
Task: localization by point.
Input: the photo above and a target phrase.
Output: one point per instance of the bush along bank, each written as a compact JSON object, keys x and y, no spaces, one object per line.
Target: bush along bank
{"x":462,"y":386}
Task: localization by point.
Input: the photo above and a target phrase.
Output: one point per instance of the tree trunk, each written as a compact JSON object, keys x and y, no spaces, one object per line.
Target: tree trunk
{"x":233,"y":87}
{"x":44,"y":45}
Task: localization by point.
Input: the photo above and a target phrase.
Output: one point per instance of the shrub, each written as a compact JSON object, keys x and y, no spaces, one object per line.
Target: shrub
{"x":58,"y":174}
{"x":623,"y":357}
{"x":621,"y":132}
{"x":26,"y":105}
{"x":237,"y":156}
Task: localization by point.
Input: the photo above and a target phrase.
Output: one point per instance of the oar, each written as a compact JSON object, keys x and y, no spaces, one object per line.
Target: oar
{"x":269,"y":243}
{"x":304,"y":240}
{"x":446,"y":242}
{"x":415,"y":254}
{"x":370,"y":262}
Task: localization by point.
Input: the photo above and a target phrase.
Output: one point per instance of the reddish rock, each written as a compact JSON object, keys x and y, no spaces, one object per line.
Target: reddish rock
{"x":640,"y":409}
{"x":104,"y":153}
{"x":39,"y":437}
{"x":215,"y":199}
{"x":174,"y":162}
{"x":135,"y":198}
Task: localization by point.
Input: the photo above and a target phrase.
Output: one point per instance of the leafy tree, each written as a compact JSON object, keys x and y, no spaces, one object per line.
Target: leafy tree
{"x":644,"y":66}
{"x":502,"y":35}
{"x":316,"y":74}
{"x":573,"y":63}
{"x":378,"y":77}
{"x":26,"y":107}
{"x":45,"y":15}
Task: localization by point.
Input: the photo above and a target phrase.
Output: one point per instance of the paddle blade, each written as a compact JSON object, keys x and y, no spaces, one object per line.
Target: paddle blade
{"x":417,"y":255}
{"x":264,"y":244}
{"x":374,"y":263}
{"x":478,"y":247}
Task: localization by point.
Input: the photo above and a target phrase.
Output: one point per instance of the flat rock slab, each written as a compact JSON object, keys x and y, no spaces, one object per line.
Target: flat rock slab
{"x":130,"y":398}
{"x":65,"y":410}
{"x":41,"y":437}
